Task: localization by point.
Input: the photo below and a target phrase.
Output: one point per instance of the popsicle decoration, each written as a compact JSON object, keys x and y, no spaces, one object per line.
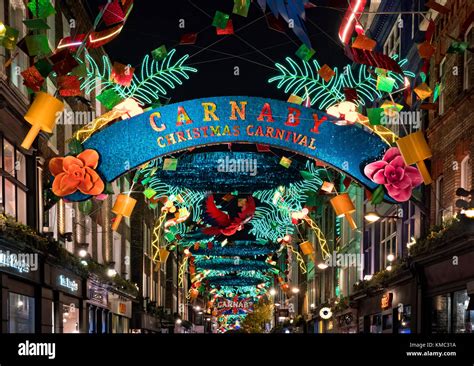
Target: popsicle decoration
{"x":307,"y":249}
{"x":343,"y":206}
{"x":41,"y":116}
{"x":123,"y":206}
{"x":415,"y":150}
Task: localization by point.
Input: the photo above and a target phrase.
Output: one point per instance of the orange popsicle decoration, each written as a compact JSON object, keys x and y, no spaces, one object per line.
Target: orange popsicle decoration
{"x":414,"y":150}
{"x":307,"y":249}
{"x":343,"y":206}
{"x":41,"y":116}
{"x":123,"y":206}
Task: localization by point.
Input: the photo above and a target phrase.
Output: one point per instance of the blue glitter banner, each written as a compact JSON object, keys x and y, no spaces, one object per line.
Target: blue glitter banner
{"x":129,"y":143}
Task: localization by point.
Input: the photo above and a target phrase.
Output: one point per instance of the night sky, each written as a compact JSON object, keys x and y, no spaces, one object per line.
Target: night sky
{"x":153,"y":23}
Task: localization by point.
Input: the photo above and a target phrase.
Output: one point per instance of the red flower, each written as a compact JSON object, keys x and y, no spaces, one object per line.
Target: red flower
{"x":76,"y":173}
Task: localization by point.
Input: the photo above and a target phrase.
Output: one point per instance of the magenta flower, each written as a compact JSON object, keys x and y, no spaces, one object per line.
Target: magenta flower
{"x":394,"y":174}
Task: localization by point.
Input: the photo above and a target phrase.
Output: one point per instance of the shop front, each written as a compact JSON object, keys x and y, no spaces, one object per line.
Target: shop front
{"x":346,"y":321}
{"x":121,"y":313}
{"x":20,"y":275}
{"x":390,"y":310}
{"x":68,"y":304}
{"x":98,"y":309}
{"x":449,"y":294}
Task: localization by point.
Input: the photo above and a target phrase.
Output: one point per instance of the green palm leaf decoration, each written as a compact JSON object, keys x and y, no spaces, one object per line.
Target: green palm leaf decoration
{"x":305,"y":80}
{"x":364,"y":83}
{"x":157,"y":76}
{"x":155,"y":79}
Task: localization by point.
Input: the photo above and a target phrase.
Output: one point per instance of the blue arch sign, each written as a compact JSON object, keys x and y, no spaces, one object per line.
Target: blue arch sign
{"x":131,"y":142}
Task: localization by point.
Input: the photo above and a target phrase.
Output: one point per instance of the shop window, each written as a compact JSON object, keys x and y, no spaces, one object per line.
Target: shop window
{"x":387,"y":322}
{"x":21,"y":313}
{"x":404,"y":319}
{"x":376,"y":326}
{"x":70,"y":319}
{"x":440,"y":314}
{"x":461,"y":316}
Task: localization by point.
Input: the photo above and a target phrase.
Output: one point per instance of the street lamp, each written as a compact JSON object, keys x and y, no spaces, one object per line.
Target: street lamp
{"x":322,"y":266}
{"x":390,"y":257}
{"x":374,"y":216}
{"x":272,"y":292}
{"x":82,"y":251}
{"x":295,"y":290}
{"x":467,"y":208}
{"x":111,"y":272}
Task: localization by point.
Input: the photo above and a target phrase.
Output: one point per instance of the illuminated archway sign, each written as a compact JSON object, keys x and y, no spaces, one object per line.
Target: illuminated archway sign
{"x":130,"y":143}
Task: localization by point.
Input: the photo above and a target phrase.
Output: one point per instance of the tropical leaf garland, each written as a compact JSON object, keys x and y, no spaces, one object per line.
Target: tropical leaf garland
{"x":155,"y":78}
{"x":272,"y":219}
{"x":304,"y":80}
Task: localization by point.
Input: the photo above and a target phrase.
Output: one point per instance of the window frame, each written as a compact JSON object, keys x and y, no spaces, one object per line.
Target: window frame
{"x":12,"y":179}
{"x":466,"y":75}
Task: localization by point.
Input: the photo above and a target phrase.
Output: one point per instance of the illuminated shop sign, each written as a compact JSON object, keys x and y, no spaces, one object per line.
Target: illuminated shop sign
{"x":386,"y":302}
{"x":68,"y":283}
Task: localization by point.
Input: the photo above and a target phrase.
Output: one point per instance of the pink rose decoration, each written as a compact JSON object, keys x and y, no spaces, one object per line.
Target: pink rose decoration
{"x":394,"y":174}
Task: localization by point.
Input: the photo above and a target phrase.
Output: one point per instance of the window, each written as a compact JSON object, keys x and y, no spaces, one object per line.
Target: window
{"x":17,"y":12}
{"x":466,"y":173}
{"x":21,"y":313}
{"x":388,"y":241}
{"x":461,"y":318}
{"x":13,"y":181}
{"x":451,"y":313}
{"x":442,"y":67}
{"x":392,"y":45}
{"x":438,"y":197}
{"x":51,"y":32}
{"x":440,"y":314}
{"x":404,"y":319}
{"x":469,"y":59}
{"x":70,"y":319}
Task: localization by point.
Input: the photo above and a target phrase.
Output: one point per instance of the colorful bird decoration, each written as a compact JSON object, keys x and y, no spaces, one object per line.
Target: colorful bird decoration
{"x":221,"y":223}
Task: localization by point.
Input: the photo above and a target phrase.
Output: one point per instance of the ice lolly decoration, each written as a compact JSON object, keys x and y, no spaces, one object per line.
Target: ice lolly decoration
{"x":123,"y":206}
{"x":307,"y":249}
{"x":415,"y":150}
{"x":343,"y":206}
{"x":41,"y":116}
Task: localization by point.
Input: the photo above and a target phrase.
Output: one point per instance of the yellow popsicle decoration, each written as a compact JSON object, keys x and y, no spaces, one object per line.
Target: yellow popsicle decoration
{"x":123,"y":206}
{"x":343,"y":206}
{"x":414,"y":150}
{"x":41,"y":116}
